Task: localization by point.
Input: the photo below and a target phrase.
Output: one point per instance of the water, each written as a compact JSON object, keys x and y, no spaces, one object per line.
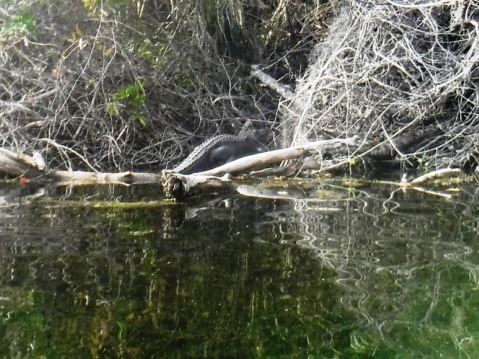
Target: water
{"x":370,"y":272}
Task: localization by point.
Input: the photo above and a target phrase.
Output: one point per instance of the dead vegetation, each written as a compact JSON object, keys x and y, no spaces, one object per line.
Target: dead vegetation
{"x":388,"y":71}
{"x":126,"y":85}
{"x":103,"y":90}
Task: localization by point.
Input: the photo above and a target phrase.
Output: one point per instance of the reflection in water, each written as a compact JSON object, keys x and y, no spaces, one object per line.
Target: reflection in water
{"x":375,"y":272}
{"x":407,"y":264}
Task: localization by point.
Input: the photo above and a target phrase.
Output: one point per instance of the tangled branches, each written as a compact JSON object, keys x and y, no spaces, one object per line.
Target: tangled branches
{"x":105,"y":89}
{"x":389,"y":68}
{"x":100,"y":85}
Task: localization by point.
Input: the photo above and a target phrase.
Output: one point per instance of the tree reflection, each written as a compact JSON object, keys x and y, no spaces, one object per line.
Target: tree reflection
{"x":351,"y":274}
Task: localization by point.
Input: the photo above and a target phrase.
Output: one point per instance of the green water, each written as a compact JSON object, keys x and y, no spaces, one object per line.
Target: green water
{"x":119,"y":273}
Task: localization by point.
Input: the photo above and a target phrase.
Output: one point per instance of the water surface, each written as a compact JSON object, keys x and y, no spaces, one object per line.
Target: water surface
{"x":370,"y":272}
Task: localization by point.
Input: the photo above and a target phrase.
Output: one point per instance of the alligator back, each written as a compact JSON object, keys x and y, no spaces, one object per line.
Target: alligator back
{"x":218,"y":150}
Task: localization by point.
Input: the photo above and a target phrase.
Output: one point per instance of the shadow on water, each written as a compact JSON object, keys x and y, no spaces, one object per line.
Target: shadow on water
{"x":112,"y":272}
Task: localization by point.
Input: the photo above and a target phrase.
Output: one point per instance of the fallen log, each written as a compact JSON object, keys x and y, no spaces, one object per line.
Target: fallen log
{"x":72,"y":178}
{"x":17,"y":164}
{"x":263,"y":159}
{"x":179,"y":186}
{"x":174,"y":185}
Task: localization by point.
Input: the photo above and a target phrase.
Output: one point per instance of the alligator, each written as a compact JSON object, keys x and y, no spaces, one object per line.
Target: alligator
{"x":219,"y":150}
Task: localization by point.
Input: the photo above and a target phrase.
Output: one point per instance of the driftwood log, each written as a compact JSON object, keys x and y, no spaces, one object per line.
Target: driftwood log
{"x":179,"y":186}
{"x":174,"y":184}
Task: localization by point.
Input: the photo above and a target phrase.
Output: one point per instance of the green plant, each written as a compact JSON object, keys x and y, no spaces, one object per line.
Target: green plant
{"x":18,"y":25}
{"x":132,"y":98}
